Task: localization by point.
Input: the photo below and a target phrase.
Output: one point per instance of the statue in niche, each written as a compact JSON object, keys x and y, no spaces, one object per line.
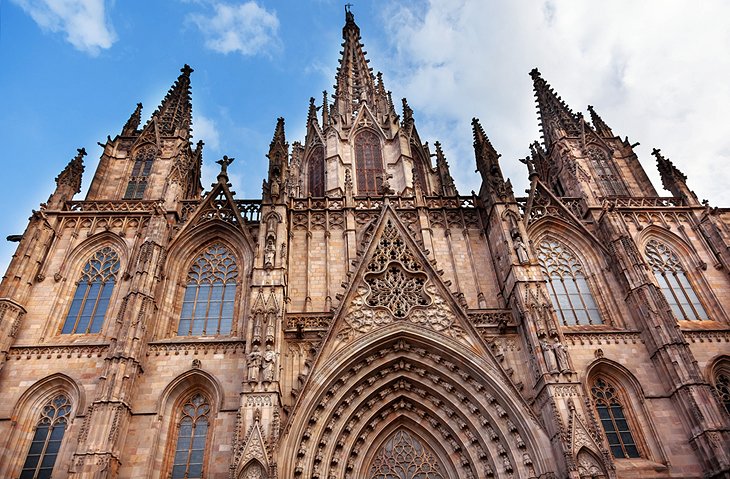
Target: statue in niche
{"x":561,"y":356}
{"x":269,"y":253}
{"x":521,"y":250}
{"x":257,"y":328}
{"x":269,"y":361}
{"x":275,"y":187}
{"x":254,"y":364}
{"x":549,"y":356}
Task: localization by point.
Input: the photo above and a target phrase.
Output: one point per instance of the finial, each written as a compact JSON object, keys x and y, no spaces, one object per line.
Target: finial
{"x":407,"y":112}
{"x":224,"y":162}
{"x":535,"y":73}
{"x":186,"y":70}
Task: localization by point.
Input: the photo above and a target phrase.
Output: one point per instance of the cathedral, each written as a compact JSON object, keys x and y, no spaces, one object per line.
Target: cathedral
{"x":362,"y":319}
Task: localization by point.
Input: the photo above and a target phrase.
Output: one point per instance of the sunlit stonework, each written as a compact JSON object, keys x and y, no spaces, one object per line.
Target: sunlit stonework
{"x":361,"y":319}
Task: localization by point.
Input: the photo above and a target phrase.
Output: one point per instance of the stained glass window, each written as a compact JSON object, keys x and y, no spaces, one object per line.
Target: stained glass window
{"x":93,"y":291}
{"x":673,"y":282}
{"x":192,"y":433}
{"x":608,"y":179}
{"x":369,"y":163}
{"x":569,"y":291}
{"x":47,"y":439}
{"x":316,"y":172}
{"x":614,"y":421}
{"x":722,"y":385}
{"x":140,"y":173}
{"x":209,"y":294}
{"x":403,"y":456}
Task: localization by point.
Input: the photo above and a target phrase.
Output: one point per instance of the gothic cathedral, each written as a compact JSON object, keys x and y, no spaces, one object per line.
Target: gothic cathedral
{"x":363,"y":320}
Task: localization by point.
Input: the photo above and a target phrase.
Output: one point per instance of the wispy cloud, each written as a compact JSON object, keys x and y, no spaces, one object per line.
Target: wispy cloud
{"x":247,"y":29}
{"x":205,"y":129}
{"x":84,"y":22}
{"x":653,"y":70}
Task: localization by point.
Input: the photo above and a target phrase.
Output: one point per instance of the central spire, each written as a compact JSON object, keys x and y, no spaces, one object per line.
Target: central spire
{"x":355,"y":83}
{"x":176,"y":110}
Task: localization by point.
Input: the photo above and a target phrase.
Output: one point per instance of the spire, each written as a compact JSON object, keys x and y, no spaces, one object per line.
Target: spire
{"x":175,"y":113}
{"x":487,"y":160}
{"x":311,"y":116}
{"x":355,"y":83}
{"x":556,"y":119}
{"x":325,"y":109}
{"x":673,"y":180}
{"x":407,"y":114}
{"x":278,"y":162}
{"x":442,"y":166}
{"x":130,"y":128}
{"x":599,"y":125}
{"x":68,"y":182}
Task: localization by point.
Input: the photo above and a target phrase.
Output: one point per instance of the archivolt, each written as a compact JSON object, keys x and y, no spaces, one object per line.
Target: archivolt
{"x":404,"y":377}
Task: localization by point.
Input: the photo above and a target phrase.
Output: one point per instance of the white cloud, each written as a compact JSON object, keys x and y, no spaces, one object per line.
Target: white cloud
{"x":655,"y":71}
{"x":83,"y":22}
{"x":205,"y":129}
{"x":247,"y":28}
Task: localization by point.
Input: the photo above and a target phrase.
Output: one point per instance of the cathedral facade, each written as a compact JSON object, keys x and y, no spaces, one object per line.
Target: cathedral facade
{"x":362,"y":319}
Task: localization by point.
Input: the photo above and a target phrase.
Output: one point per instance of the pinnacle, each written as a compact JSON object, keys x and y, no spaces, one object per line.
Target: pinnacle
{"x":279,"y":135}
{"x":130,"y":128}
{"x":556,"y":118}
{"x":71,"y":174}
{"x":598,"y":124}
{"x":176,"y":110}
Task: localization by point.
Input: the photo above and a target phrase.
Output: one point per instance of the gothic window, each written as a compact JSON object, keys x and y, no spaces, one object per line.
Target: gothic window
{"x":673,"y":282}
{"x":140,"y":173}
{"x":606,"y":174}
{"x":403,"y":456}
{"x":316,"y":172}
{"x":722,"y":386}
{"x":192,"y":432}
{"x":614,"y":421}
{"x":209,"y":294}
{"x":569,"y":291}
{"x":93,"y":291}
{"x":368,"y":163}
{"x":47,"y":439}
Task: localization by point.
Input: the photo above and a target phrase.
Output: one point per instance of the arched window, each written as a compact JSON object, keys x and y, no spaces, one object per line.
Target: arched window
{"x":673,"y":282}
{"x":614,"y":421}
{"x":403,"y":456}
{"x":140,"y":172}
{"x":192,"y":433}
{"x":606,"y":174}
{"x":569,"y":291}
{"x":722,"y":386}
{"x":315,"y":172}
{"x":47,"y":439}
{"x":209,"y":294}
{"x":368,"y":163}
{"x":93,"y":292}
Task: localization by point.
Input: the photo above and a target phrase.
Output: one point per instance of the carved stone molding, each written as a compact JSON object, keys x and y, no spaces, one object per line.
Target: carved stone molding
{"x":58,"y":352}
{"x":613,"y":337}
{"x":185,"y":348}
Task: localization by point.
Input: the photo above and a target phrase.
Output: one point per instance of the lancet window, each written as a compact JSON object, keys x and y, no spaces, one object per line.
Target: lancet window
{"x":47,"y":437}
{"x":192,"y":434}
{"x":210,"y":292}
{"x":613,"y":419}
{"x":606,"y":174}
{"x":316,"y":172}
{"x":140,"y":173}
{"x":569,"y":290}
{"x":673,"y":282}
{"x":722,"y":386}
{"x":93,"y":291}
{"x":403,"y":456}
{"x":368,"y":163}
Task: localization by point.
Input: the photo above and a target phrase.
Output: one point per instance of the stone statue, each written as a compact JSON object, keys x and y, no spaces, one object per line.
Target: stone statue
{"x":561,"y":356}
{"x":269,"y":253}
{"x":521,"y":251}
{"x":549,"y":356}
{"x":254,"y":364}
{"x":270,"y":327}
{"x":269,"y":360}
{"x":257,"y":328}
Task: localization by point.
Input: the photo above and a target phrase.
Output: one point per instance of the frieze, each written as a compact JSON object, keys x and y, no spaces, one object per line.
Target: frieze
{"x":491,"y":318}
{"x":258,"y":400}
{"x":614,"y":337}
{"x":57,"y":352}
{"x":115,"y":206}
{"x":317,"y":321}
{"x":214,"y":347}
{"x":707,"y":336}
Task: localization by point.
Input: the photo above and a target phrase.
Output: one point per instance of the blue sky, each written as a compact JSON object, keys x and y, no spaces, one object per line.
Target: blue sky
{"x":71,"y":72}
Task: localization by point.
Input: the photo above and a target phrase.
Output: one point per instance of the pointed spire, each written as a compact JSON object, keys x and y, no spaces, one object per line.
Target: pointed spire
{"x":175,"y":113}
{"x":72,"y":173}
{"x":325,"y":109}
{"x":355,"y":83}
{"x":486,"y":156}
{"x":278,"y":162}
{"x":442,"y":166}
{"x":130,"y":128}
{"x":279,"y":138}
{"x":599,"y":125}
{"x":556,"y":119}
{"x":312,"y":115}
{"x":673,"y":180}
{"x":407,"y":114}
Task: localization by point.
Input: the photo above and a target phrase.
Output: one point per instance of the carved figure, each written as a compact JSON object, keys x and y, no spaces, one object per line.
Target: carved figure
{"x":521,"y":251}
{"x":254,"y":364}
{"x":269,"y":363}
{"x":257,"y":328}
{"x":269,"y":253}
{"x":561,"y":356}
{"x":270,"y":328}
{"x":549,"y":356}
